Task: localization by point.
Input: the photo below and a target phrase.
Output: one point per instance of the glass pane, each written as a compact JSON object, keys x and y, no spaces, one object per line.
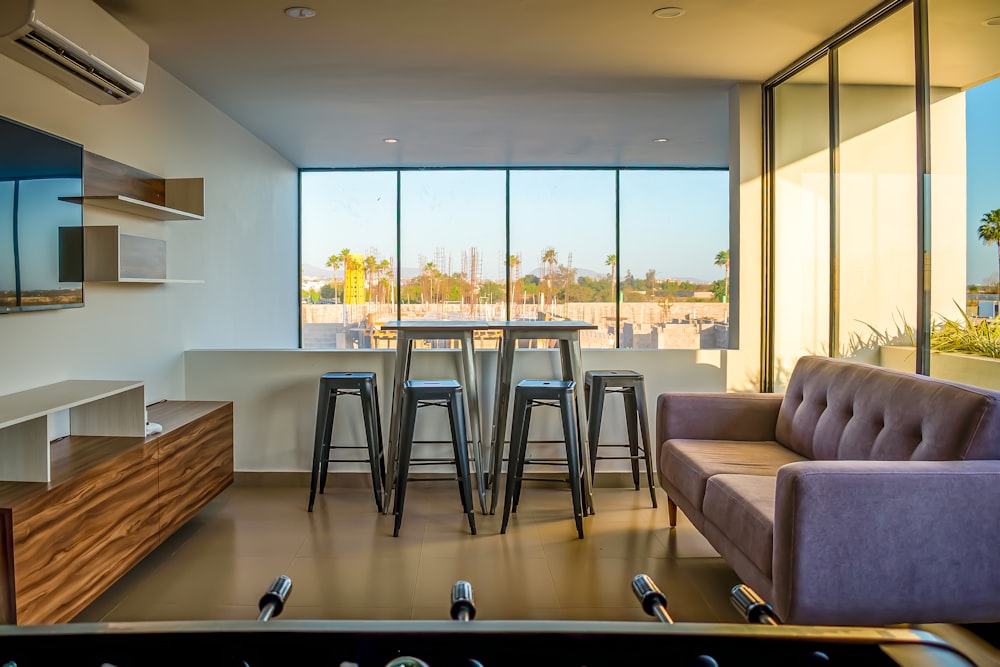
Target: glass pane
{"x":562,"y":244}
{"x":348,"y":257}
{"x":878,"y":190}
{"x":674,"y":263}
{"x":452,"y":243}
{"x":965,"y":199}
{"x":801,"y":218}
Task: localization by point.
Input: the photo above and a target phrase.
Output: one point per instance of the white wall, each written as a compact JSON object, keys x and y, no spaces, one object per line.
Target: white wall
{"x":245,"y":250}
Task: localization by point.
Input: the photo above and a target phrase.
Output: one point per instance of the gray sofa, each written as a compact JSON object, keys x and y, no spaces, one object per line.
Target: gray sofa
{"x":861,"y":496}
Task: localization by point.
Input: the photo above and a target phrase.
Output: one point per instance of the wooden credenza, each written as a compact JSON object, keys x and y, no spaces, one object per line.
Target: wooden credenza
{"x":109,"y":502}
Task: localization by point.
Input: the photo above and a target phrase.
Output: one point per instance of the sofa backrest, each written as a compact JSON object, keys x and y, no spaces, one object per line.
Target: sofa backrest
{"x":842,"y":409}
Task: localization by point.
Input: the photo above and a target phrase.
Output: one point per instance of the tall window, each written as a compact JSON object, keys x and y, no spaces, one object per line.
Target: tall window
{"x":643,"y":253}
{"x":674,"y":269}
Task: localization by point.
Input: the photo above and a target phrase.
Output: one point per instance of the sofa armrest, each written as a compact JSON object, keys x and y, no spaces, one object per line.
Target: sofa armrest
{"x":716,"y":416}
{"x":885,"y":542}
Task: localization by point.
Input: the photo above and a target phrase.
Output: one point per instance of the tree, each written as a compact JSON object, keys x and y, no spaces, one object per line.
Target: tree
{"x":549,"y":259}
{"x":989,"y":232}
{"x":612,"y":261}
{"x":337,"y":261}
{"x":722,"y":259}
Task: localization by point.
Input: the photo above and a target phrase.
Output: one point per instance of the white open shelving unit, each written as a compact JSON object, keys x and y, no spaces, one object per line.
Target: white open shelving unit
{"x":96,"y":408}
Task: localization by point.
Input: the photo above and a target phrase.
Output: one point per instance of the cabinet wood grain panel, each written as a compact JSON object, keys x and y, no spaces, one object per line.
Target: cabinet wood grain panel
{"x":77,"y":539}
{"x":195,"y":465}
{"x":64,"y":542}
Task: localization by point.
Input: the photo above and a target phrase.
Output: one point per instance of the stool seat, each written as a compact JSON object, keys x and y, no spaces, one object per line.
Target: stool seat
{"x":331,"y":386}
{"x":529,"y":394}
{"x":421,"y":394}
{"x":631,"y":385}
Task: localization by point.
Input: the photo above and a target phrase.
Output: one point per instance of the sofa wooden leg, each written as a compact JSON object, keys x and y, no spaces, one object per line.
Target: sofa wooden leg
{"x":671,"y":512}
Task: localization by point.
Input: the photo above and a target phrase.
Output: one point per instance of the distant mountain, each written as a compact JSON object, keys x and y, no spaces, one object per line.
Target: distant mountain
{"x":313,"y":271}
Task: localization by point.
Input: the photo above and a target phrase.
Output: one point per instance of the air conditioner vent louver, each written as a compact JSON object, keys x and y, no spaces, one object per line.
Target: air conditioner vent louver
{"x":77,"y":64}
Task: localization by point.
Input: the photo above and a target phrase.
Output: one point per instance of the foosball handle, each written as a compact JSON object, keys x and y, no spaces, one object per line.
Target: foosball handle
{"x":653,"y":601}
{"x":752,"y":606}
{"x":462,"y":606}
{"x":273,"y":600}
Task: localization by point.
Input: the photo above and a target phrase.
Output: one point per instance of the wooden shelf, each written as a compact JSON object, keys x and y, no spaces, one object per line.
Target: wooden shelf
{"x":145,"y":209}
{"x":112,"y":257}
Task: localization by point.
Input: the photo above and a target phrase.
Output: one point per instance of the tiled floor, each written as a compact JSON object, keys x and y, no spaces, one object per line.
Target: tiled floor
{"x":344,"y":562}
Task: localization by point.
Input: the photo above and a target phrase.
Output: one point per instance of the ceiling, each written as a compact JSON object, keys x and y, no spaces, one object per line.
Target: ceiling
{"x":481,"y":82}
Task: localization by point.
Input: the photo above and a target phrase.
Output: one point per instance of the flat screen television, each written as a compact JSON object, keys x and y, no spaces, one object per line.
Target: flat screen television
{"x":41,"y":254}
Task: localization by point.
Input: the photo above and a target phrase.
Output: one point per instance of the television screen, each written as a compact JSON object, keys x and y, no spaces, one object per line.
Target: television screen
{"x":41,"y":254}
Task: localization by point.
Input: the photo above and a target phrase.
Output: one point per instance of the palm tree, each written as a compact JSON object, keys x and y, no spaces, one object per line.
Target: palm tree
{"x":722,"y":259}
{"x":989,"y":232}
{"x":334,"y":262}
{"x":549,"y":259}
{"x":612,"y":261}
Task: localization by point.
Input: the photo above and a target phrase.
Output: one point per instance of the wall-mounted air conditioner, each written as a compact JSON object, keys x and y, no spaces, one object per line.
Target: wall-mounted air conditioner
{"x":76,"y":43}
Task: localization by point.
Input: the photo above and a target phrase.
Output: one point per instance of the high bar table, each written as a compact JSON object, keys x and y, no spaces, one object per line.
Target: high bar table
{"x":567,"y":332}
{"x":408,"y":331}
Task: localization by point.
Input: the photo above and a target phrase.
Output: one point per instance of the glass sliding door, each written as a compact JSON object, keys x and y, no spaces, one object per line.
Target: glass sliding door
{"x":802,"y":224}
{"x":878,"y":259}
{"x":965,"y":196}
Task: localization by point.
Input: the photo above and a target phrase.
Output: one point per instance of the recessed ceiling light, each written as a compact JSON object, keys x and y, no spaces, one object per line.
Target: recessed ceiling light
{"x":668,"y":12}
{"x":993,"y":22}
{"x":660,"y":140}
{"x":300,"y":12}
{"x":390,"y":140}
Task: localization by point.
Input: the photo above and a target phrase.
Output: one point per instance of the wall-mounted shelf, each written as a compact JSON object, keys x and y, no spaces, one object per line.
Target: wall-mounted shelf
{"x":132,"y":206}
{"x":109,"y":256}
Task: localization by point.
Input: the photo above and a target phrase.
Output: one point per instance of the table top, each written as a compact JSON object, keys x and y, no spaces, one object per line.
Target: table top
{"x":506,"y":325}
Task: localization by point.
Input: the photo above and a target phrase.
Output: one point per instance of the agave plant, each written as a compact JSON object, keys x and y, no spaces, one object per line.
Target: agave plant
{"x":964,"y":336}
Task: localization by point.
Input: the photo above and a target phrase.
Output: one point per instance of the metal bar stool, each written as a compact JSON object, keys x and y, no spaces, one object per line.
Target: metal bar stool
{"x":529,"y":394}
{"x":630,"y":385}
{"x":332,"y":385}
{"x":421,"y":394}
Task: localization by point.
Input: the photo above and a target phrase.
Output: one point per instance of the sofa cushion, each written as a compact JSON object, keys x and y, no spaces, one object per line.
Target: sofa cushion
{"x":837,"y":409}
{"x":742,"y":508}
{"x":688,"y":464}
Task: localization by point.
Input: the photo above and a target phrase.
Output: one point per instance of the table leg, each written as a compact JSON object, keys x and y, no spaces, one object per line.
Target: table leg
{"x":571,"y":359}
{"x":402,"y":369}
{"x":475,"y":422}
{"x":505,"y":371}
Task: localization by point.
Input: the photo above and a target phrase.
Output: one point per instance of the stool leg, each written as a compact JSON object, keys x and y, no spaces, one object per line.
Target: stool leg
{"x":595,"y":408}
{"x":405,"y":445}
{"x":456,"y":414}
{"x":631,"y":419}
{"x":515,"y":454}
{"x":368,"y":411}
{"x":640,"y":400}
{"x":378,"y":439}
{"x":522,"y":457}
{"x":567,"y":409}
{"x":327,"y":441}
{"x":322,"y":412}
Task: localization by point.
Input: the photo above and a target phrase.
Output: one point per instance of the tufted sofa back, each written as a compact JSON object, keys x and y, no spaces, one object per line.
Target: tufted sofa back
{"x":840,"y":409}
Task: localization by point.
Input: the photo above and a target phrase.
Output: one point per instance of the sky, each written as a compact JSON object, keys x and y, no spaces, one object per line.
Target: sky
{"x":982,"y":117}
{"x":674,"y":222}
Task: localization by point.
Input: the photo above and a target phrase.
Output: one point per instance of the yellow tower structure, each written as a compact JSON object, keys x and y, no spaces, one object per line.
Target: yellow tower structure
{"x":354,"y":280}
